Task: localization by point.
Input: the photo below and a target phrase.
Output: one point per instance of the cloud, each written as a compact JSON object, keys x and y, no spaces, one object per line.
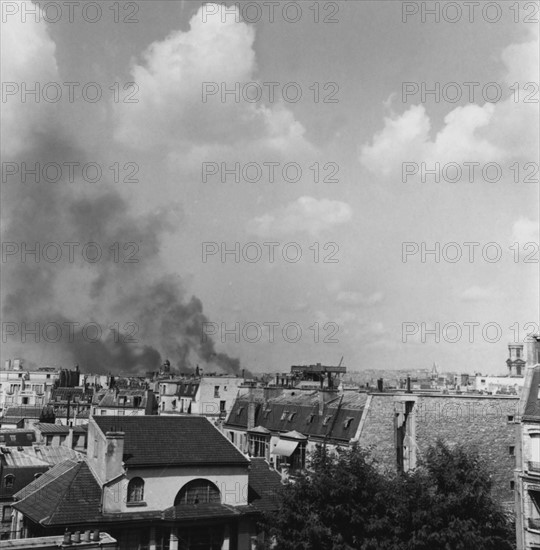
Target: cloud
{"x":492,"y":132}
{"x":171,"y":114}
{"x":525,"y":231}
{"x":478,"y":294}
{"x":28,"y":57}
{"x":357,"y":299}
{"x":306,"y":214}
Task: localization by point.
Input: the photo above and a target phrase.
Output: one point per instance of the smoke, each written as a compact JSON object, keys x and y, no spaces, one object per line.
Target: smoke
{"x":120,"y":313}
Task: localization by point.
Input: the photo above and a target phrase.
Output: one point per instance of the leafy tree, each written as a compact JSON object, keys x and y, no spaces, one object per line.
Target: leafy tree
{"x":345,"y":502}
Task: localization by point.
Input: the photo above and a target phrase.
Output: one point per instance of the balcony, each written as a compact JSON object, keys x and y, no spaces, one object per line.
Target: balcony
{"x":533,"y":467}
{"x":534,"y":523}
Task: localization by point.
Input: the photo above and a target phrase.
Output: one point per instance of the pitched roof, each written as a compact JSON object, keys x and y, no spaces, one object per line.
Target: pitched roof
{"x":299,"y":411}
{"x":66,"y":494}
{"x":46,"y":428}
{"x":264,"y":485}
{"x":171,"y":441}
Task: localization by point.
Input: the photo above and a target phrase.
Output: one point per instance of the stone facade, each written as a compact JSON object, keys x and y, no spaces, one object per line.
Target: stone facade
{"x":400,"y":427}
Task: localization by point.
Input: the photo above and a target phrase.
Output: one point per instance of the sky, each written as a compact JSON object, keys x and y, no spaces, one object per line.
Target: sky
{"x":264,"y":190}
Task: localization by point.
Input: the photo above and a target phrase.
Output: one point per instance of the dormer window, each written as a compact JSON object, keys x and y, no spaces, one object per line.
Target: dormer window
{"x":291,"y":417}
{"x":327,"y":420}
{"x":309,"y":419}
{"x":284,"y":415}
{"x":347,"y":422}
{"x":239,"y":411}
{"x":9,"y":481}
{"x":267,"y":412}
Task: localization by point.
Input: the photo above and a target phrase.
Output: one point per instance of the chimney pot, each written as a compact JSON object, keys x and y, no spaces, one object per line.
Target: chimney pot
{"x":95,"y":535}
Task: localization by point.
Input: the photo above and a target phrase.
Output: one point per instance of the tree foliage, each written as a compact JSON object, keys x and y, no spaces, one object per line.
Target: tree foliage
{"x":345,"y":502}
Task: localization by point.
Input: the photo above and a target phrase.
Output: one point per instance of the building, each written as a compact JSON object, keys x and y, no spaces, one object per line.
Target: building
{"x":55,"y":435}
{"x":17,"y":437}
{"x":399,"y":426}
{"x":126,"y":402}
{"x":527,"y":472}
{"x":284,"y":426}
{"x":207,"y":395}
{"x":153,"y":482}
{"x":19,"y":466}
{"x":24,"y":387}
{"x":20,"y":416}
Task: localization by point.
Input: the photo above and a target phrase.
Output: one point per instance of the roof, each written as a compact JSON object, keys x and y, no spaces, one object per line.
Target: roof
{"x":13,"y":414}
{"x":17,"y":437}
{"x":264,"y":485}
{"x":112,"y":399}
{"x":171,"y":441}
{"x":38,"y":455}
{"x":46,"y":428}
{"x":299,"y":411}
{"x":66,"y":494}
{"x":56,"y":542}
{"x":63,"y":393}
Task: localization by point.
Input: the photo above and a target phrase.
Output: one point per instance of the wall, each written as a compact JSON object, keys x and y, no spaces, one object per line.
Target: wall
{"x":207,"y":403}
{"x":162,"y":485}
{"x":480,"y":421}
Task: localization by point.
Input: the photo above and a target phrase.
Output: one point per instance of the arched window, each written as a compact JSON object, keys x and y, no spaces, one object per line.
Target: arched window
{"x":9,"y":481}
{"x":135,"y":491}
{"x":198,"y":491}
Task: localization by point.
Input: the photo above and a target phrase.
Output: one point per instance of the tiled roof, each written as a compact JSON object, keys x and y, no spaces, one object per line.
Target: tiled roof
{"x":24,"y":411}
{"x":62,"y":394}
{"x":264,"y":485}
{"x":200,"y":511}
{"x":171,"y":441}
{"x":17,"y":437}
{"x":70,"y":495}
{"x":45,"y":428}
{"x":300,"y":412}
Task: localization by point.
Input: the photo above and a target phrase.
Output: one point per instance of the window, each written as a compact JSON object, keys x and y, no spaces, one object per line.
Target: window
{"x":135,"y":490}
{"x":511,"y":450}
{"x":13,"y":438}
{"x":291,"y":417}
{"x":327,"y":420}
{"x":284,"y":415}
{"x":310,"y":418}
{"x":198,"y":491}
{"x":239,"y":411}
{"x":267,"y":412}
{"x":6,"y":513}
{"x":222,"y":406}
{"x":102,"y":412}
{"x":224,"y":388}
{"x":512,"y":484}
{"x":347,"y":422}
{"x":9,"y":481}
{"x":258,"y":446}
{"x":510,"y":418}
{"x":137,"y":401}
{"x":173,"y":403}
{"x":216,"y":391}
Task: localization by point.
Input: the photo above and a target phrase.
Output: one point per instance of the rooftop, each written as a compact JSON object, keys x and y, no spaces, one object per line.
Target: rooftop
{"x":171,"y":441}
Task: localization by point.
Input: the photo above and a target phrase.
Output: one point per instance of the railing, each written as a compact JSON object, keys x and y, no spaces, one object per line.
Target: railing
{"x":533,"y":466}
{"x":534,"y":523}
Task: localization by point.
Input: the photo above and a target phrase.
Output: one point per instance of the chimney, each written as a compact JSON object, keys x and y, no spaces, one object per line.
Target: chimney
{"x":323,"y":398}
{"x":8,"y":364}
{"x":408,"y":384}
{"x":150,"y":402}
{"x":114,"y":455}
{"x":251,"y":414}
{"x":533,"y":350}
{"x":380,"y":385}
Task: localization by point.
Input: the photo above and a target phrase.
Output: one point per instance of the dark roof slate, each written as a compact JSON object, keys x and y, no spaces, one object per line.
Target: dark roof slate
{"x":70,"y":495}
{"x":171,"y":441}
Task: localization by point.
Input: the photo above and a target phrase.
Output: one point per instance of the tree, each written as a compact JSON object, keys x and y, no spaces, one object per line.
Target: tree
{"x":345,"y":502}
